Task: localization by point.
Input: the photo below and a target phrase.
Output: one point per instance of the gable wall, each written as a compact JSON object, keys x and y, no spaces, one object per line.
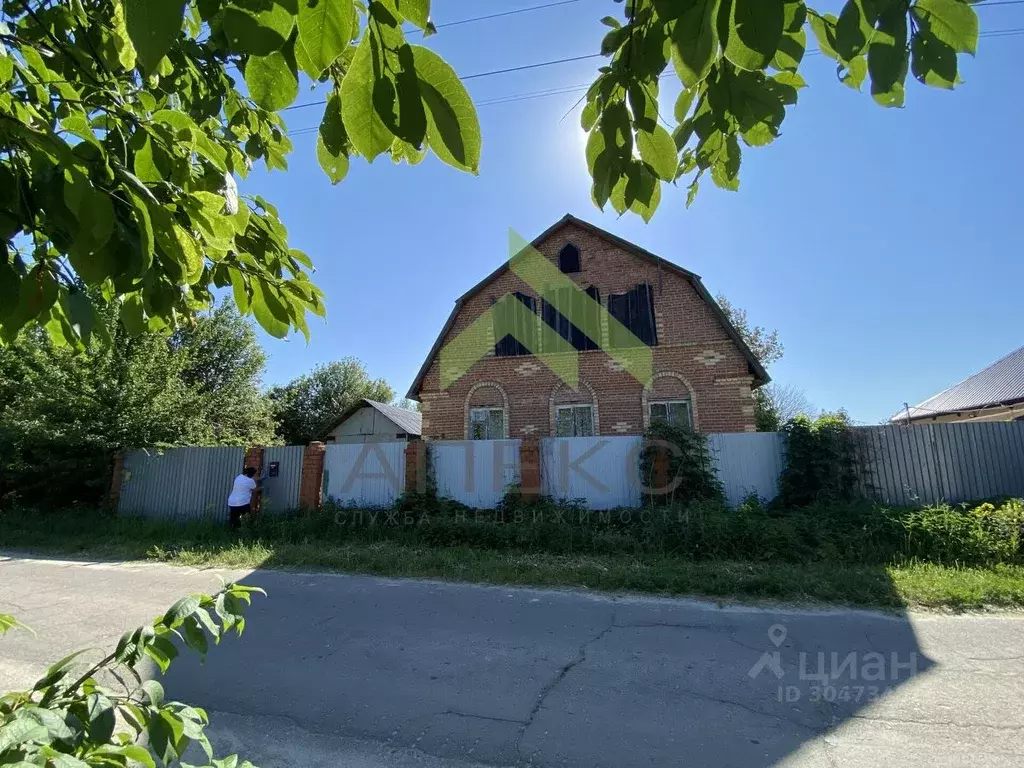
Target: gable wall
{"x":694,"y":357}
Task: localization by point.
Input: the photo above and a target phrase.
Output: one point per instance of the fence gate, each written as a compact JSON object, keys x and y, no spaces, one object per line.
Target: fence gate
{"x":602,"y":472}
{"x":475,"y":472}
{"x":282,"y":470}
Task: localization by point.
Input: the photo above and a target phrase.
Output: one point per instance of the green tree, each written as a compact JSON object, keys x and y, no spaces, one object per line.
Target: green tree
{"x":307,"y":405}
{"x":64,"y":413}
{"x":124,"y":132}
{"x":765,"y":344}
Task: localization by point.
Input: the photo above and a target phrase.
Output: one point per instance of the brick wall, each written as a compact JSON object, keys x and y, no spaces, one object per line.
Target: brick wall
{"x":310,"y":485}
{"x":694,"y":358}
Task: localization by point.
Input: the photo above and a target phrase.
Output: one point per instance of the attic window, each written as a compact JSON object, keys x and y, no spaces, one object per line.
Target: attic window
{"x":569,"y":259}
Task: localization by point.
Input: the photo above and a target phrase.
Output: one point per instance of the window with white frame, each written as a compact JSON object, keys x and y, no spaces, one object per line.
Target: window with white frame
{"x":676,"y":412}
{"x":574,"y":421}
{"x":486,"y":423}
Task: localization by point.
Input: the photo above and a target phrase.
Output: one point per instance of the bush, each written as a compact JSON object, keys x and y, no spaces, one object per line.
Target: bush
{"x":691,"y":473}
{"x":821,"y":461}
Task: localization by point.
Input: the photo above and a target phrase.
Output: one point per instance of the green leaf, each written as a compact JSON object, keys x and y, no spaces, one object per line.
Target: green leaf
{"x":36,"y":294}
{"x":334,"y":165}
{"x":259,"y":31}
{"x":154,"y":691}
{"x":177,"y":612}
{"x":854,"y":74}
{"x":952,"y":22}
{"x":932,"y":61}
{"x":416,"y":11}
{"x":81,"y":314}
{"x":262,"y":302}
{"x":695,"y":41}
{"x":691,"y":194}
{"x":588,"y":117}
{"x":887,"y":58}
{"x":610,"y":21}
{"x":162,"y":651}
{"x":658,"y":150}
{"x":453,"y":129}
{"x":855,"y":27}
{"x":273,"y":80}
{"x":153,"y":26}
{"x":21,"y":731}
{"x":325,"y":28}
{"x":754,"y":30}
{"x":790,"y":52}
{"x":101,"y":718}
{"x":684,"y":103}
{"x":824,"y":28}
{"x":145,"y":164}
{"x":367,"y":132}
{"x":240,"y":290}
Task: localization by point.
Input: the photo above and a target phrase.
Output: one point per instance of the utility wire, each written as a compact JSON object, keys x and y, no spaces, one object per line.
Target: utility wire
{"x":511,"y":98}
{"x":523,"y":10}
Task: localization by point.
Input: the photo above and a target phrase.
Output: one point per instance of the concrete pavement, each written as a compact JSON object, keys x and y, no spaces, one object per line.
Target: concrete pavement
{"x":355,"y":671}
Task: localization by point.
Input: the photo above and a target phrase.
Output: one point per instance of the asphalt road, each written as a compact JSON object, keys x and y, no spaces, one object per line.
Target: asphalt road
{"x":351,"y":671}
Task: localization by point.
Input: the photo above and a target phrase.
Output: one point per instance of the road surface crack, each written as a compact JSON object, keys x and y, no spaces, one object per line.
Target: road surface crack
{"x":560,"y":675}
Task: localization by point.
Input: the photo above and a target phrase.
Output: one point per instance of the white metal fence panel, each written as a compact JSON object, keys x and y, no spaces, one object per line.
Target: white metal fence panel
{"x":748,"y":463}
{"x":179,"y":483}
{"x":475,"y":472}
{"x":365,"y":474}
{"x":602,"y":472}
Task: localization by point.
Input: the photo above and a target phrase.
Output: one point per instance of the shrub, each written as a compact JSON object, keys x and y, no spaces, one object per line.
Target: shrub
{"x":691,"y":473}
{"x":821,"y":461}
{"x":103,"y":716}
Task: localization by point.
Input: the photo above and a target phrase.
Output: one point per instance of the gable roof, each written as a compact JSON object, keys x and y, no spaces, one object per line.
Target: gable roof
{"x":1002,"y":383}
{"x":408,"y":421}
{"x":756,"y":369}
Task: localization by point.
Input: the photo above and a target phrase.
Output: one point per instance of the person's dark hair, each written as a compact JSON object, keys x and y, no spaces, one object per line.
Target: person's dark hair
{"x":250,"y":471}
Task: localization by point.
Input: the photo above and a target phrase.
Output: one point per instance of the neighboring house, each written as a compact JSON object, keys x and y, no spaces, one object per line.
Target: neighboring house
{"x":371,"y":422}
{"x":703,"y":371}
{"x":993,"y":394}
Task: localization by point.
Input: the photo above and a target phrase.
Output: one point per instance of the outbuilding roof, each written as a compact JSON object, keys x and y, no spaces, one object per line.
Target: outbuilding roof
{"x":1001,"y":384}
{"x":408,"y":421}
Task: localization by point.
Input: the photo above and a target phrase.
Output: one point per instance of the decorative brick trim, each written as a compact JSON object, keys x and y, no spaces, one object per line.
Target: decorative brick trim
{"x":505,"y":407}
{"x":311,"y":484}
{"x":553,"y":406}
{"x":645,"y":397}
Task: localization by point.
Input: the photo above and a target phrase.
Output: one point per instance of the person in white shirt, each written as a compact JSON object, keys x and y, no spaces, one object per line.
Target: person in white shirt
{"x":240,"y":500}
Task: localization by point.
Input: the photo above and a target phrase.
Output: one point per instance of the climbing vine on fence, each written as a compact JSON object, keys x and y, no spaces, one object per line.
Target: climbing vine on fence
{"x":690,"y":472}
{"x":821,"y":461}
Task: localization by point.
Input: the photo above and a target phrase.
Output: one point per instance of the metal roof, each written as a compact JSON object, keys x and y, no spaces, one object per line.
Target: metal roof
{"x":1002,"y":383}
{"x":408,"y":421}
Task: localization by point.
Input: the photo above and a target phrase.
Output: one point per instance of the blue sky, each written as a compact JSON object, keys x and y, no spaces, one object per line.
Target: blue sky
{"x":884,"y":245}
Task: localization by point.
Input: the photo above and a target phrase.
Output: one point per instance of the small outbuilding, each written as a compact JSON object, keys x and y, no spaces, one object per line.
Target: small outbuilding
{"x":371,"y":422}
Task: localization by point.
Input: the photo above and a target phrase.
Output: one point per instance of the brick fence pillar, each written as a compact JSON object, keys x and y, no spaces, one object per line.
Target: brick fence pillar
{"x":529,"y":460}
{"x":660,"y":484}
{"x":310,"y":486}
{"x":254,"y":458}
{"x":115,"y":480}
{"x":416,"y":466}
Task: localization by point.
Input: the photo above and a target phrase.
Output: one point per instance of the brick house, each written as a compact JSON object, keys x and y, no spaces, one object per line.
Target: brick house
{"x":703,"y":371}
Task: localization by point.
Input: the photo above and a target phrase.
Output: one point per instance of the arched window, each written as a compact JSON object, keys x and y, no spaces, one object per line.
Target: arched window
{"x":569,"y":259}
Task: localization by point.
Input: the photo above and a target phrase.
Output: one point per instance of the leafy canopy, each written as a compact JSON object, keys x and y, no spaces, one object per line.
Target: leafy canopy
{"x":124,"y":129}
{"x":308,"y":405}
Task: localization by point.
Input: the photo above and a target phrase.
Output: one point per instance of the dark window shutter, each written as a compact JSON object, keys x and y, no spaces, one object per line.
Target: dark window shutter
{"x":569,"y":259}
{"x":523,"y":341}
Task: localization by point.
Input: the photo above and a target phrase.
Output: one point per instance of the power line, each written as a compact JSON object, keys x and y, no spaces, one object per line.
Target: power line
{"x":520,"y":10}
{"x":516,"y":97}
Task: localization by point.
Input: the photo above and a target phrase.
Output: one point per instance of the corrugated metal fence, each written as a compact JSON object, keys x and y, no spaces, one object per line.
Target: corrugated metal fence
{"x":748,"y":463}
{"x":927,"y":463}
{"x":281,"y":493}
{"x":898,"y":465}
{"x":365,"y":474}
{"x":179,"y":483}
{"x":601,"y":472}
{"x":475,"y":472}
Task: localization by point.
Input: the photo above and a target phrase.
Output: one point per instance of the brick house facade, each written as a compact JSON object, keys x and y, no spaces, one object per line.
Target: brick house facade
{"x":700,"y":363}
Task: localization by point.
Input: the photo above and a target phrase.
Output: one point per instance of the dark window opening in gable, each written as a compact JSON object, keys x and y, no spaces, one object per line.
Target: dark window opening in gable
{"x":583,"y":315}
{"x":524,"y":340}
{"x":635,"y":311}
{"x":569,"y":259}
